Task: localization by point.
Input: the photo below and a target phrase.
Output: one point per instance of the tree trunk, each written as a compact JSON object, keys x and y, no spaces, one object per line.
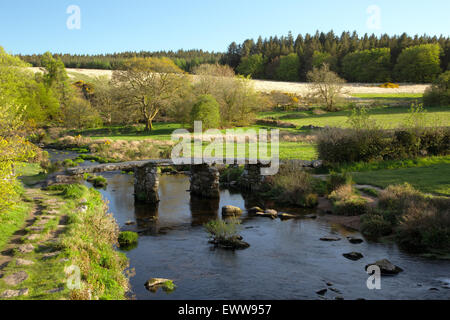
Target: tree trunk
{"x":149,"y":125}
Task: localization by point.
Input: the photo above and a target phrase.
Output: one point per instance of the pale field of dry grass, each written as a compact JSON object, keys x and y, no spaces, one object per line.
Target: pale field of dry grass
{"x":291,"y":87}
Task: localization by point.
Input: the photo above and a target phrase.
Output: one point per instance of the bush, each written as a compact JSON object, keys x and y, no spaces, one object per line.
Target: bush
{"x":389,"y":85}
{"x":70,"y":191}
{"x":439,"y":93}
{"x":336,"y":145}
{"x":207,"y":110}
{"x":293,"y":185}
{"x":374,"y":226}
{"x":231,"y":173}
{"x":337,"y":180}
{"x":423,"y":221}
{"x":347,"y":203}
{"x":222,"y":230}
{"x":97,"y":181}
{"x":127,"y":238}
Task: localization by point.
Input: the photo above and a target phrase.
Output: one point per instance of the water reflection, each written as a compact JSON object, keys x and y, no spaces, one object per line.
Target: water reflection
{"x":286,"y":260}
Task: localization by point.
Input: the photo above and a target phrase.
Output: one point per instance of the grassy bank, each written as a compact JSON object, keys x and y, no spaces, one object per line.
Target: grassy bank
{"x":72,"y":232}
{"x":431,"y":179}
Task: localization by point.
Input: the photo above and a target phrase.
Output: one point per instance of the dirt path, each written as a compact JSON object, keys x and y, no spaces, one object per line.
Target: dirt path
{"x":32,"y":245}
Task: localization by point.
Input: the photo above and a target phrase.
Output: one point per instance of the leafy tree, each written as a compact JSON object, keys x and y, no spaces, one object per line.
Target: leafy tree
{"x":207,"y":110}
{"x":319,"y":58}
{"x":237,"y":99}
{"x":149,"y":85}
{"x":252,"y":66}
{"x":419,"y":64}
{"x":372,"y":65}
{"x":56,"y":78}
{"x":79,"y":114}
{"x":288,"y":70}
{"x":13,"y":147}
{"x":326,"y":86}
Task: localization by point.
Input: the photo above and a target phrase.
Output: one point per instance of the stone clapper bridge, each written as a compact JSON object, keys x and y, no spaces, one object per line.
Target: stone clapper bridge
{"x":204,"y":177}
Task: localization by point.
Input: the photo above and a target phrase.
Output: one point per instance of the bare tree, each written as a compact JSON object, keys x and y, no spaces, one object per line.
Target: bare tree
{"x":326,"y":86}
{"x":151,"y":85}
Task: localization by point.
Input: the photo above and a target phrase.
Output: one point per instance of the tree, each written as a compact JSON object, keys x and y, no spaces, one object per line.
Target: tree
{"x":56,"y":78}
{"x":326,"y":86}
{"x":149,"y":85}
{"x":252,"y":66}
{"x":206,"y":110}
{"x":13,"y":147}
{"x":288,"y":70}
{"x":237,"y":99}
{"x":106,"y":101}
{"x":372,"y":65}
{"x":419,"y":64}
{"x":79,"y":114}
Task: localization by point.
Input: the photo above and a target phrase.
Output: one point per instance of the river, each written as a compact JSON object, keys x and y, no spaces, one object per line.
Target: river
{"x":286,"y":259}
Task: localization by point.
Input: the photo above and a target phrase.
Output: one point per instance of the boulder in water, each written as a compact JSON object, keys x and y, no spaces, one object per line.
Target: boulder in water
{"x":353,"y":256}
{"x":231,"y":211}
{"x":386,"y":267}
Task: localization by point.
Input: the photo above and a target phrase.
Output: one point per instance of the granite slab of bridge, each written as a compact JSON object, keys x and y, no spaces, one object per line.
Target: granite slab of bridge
{"x":204,"y":177}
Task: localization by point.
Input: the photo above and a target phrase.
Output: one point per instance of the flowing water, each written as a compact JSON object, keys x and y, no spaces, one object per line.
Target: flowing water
{"x":286,"y":259}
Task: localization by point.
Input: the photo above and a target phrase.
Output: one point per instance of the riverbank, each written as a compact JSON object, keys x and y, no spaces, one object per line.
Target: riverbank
{"x":67,"y":238}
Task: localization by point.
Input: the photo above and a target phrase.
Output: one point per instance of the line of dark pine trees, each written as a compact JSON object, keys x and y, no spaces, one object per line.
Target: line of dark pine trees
{"x":367,"y":58}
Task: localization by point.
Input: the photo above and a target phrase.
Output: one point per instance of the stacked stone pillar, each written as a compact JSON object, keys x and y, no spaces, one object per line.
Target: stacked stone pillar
{"x":146,"y":183}
{"x":205,"y":181}
{"x":251,"y":178}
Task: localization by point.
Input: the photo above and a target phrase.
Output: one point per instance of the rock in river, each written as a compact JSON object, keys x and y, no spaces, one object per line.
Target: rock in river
{"x":286,"y":216}
{"x":329,"y":239}
{"x":386,"y":267}
{"x":353,"y":256}
{"x":231,"y":211}
{"x":268,"y":213}
{"x":255,"y":210}
{"x":355,"y":240}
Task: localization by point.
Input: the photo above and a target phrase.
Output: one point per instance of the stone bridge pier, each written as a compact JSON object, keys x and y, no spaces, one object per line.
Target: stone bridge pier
{"x":251,"y":178}
{"x":205,"y":181}
{"x":146,"y":183}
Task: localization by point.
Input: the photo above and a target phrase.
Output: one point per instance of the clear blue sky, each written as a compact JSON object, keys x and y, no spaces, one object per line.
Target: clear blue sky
{"x":36,"y":26}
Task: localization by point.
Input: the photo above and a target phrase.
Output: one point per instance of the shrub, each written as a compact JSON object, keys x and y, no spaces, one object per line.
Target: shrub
{"x":336,"y":145}
{"x":389,"y":85}
{"x":97,"y":181}
{"x":127,"y":238}
{"x":222,"y":230}
{"x":347,"y":203}
{"x":207,"y":110}
{"x":294,"y":185}
{"x":374,"y":226}
{"x":336,"y":180}
{"x":232,"y":173}
{"x":439,"y":93}
{"x":70,"y":191}
{"x":423,"y":221}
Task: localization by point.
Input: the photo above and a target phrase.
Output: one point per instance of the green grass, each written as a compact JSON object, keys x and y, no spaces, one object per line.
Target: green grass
{"x":393,"y":164}
{"x":386,"y":116}
{"x":430,"y":179}
{"x":12,"y":220}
